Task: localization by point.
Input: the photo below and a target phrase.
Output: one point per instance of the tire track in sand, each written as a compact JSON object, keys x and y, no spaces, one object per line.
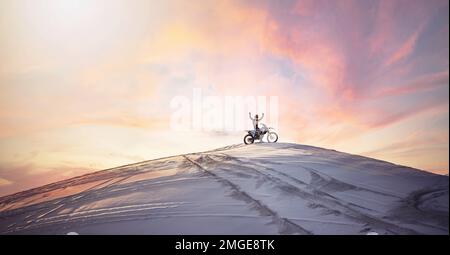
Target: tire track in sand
{"x":286,"y":226}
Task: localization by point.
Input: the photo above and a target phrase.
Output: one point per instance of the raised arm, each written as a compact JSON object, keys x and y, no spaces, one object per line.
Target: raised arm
{"x":250,"y":116}
{"x":262,"y":116}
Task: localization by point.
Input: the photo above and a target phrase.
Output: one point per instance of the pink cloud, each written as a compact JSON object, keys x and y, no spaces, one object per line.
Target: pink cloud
{"x":313,"y":53}
{"x":383,"y":27}
{"x":404,"y":51}
{"x":378,"y":118}
{"x":305,"y":7}
{"x":426,"y":82}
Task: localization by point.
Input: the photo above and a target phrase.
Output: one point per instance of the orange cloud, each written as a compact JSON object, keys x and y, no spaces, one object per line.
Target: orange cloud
{"x":5,"y":182}
{"x":18,"y":176}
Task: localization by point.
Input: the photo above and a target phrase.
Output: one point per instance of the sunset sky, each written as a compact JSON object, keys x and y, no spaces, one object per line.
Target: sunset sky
{"x":86,"y":85}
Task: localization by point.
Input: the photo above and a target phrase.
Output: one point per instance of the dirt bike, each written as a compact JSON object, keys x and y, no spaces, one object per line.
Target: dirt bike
{"x":252,"y":135}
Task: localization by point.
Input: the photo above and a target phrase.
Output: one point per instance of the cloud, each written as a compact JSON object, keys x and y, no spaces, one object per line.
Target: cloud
{"x":312,"y":53}
{"x":343,"y":71}
{"x":5,"y":182}
{"x":425,"y":82}
{"x":18,"y":177}
{"x":388,"y":118}
{"x":405,"y":49}
{"x":414,"y":148}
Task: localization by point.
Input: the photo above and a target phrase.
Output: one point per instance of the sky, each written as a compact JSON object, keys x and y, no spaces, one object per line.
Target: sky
{"x":87,"y":85}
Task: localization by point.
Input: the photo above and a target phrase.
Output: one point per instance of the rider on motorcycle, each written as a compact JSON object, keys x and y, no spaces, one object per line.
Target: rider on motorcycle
{"x":255,"y":123}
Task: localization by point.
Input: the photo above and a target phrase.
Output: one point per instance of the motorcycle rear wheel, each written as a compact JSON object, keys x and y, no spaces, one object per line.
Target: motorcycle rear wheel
{"x":248,"y":139}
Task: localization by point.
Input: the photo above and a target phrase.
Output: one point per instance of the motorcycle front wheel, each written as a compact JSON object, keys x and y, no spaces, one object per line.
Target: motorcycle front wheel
{"x":272,"y":137}
{"x":248,"y":139}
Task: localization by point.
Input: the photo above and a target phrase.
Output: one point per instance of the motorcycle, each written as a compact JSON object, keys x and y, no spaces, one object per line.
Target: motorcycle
{"x":252,"y":135}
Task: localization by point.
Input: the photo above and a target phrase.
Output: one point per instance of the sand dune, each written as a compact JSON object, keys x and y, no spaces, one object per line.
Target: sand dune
{"x":256,"y":189}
